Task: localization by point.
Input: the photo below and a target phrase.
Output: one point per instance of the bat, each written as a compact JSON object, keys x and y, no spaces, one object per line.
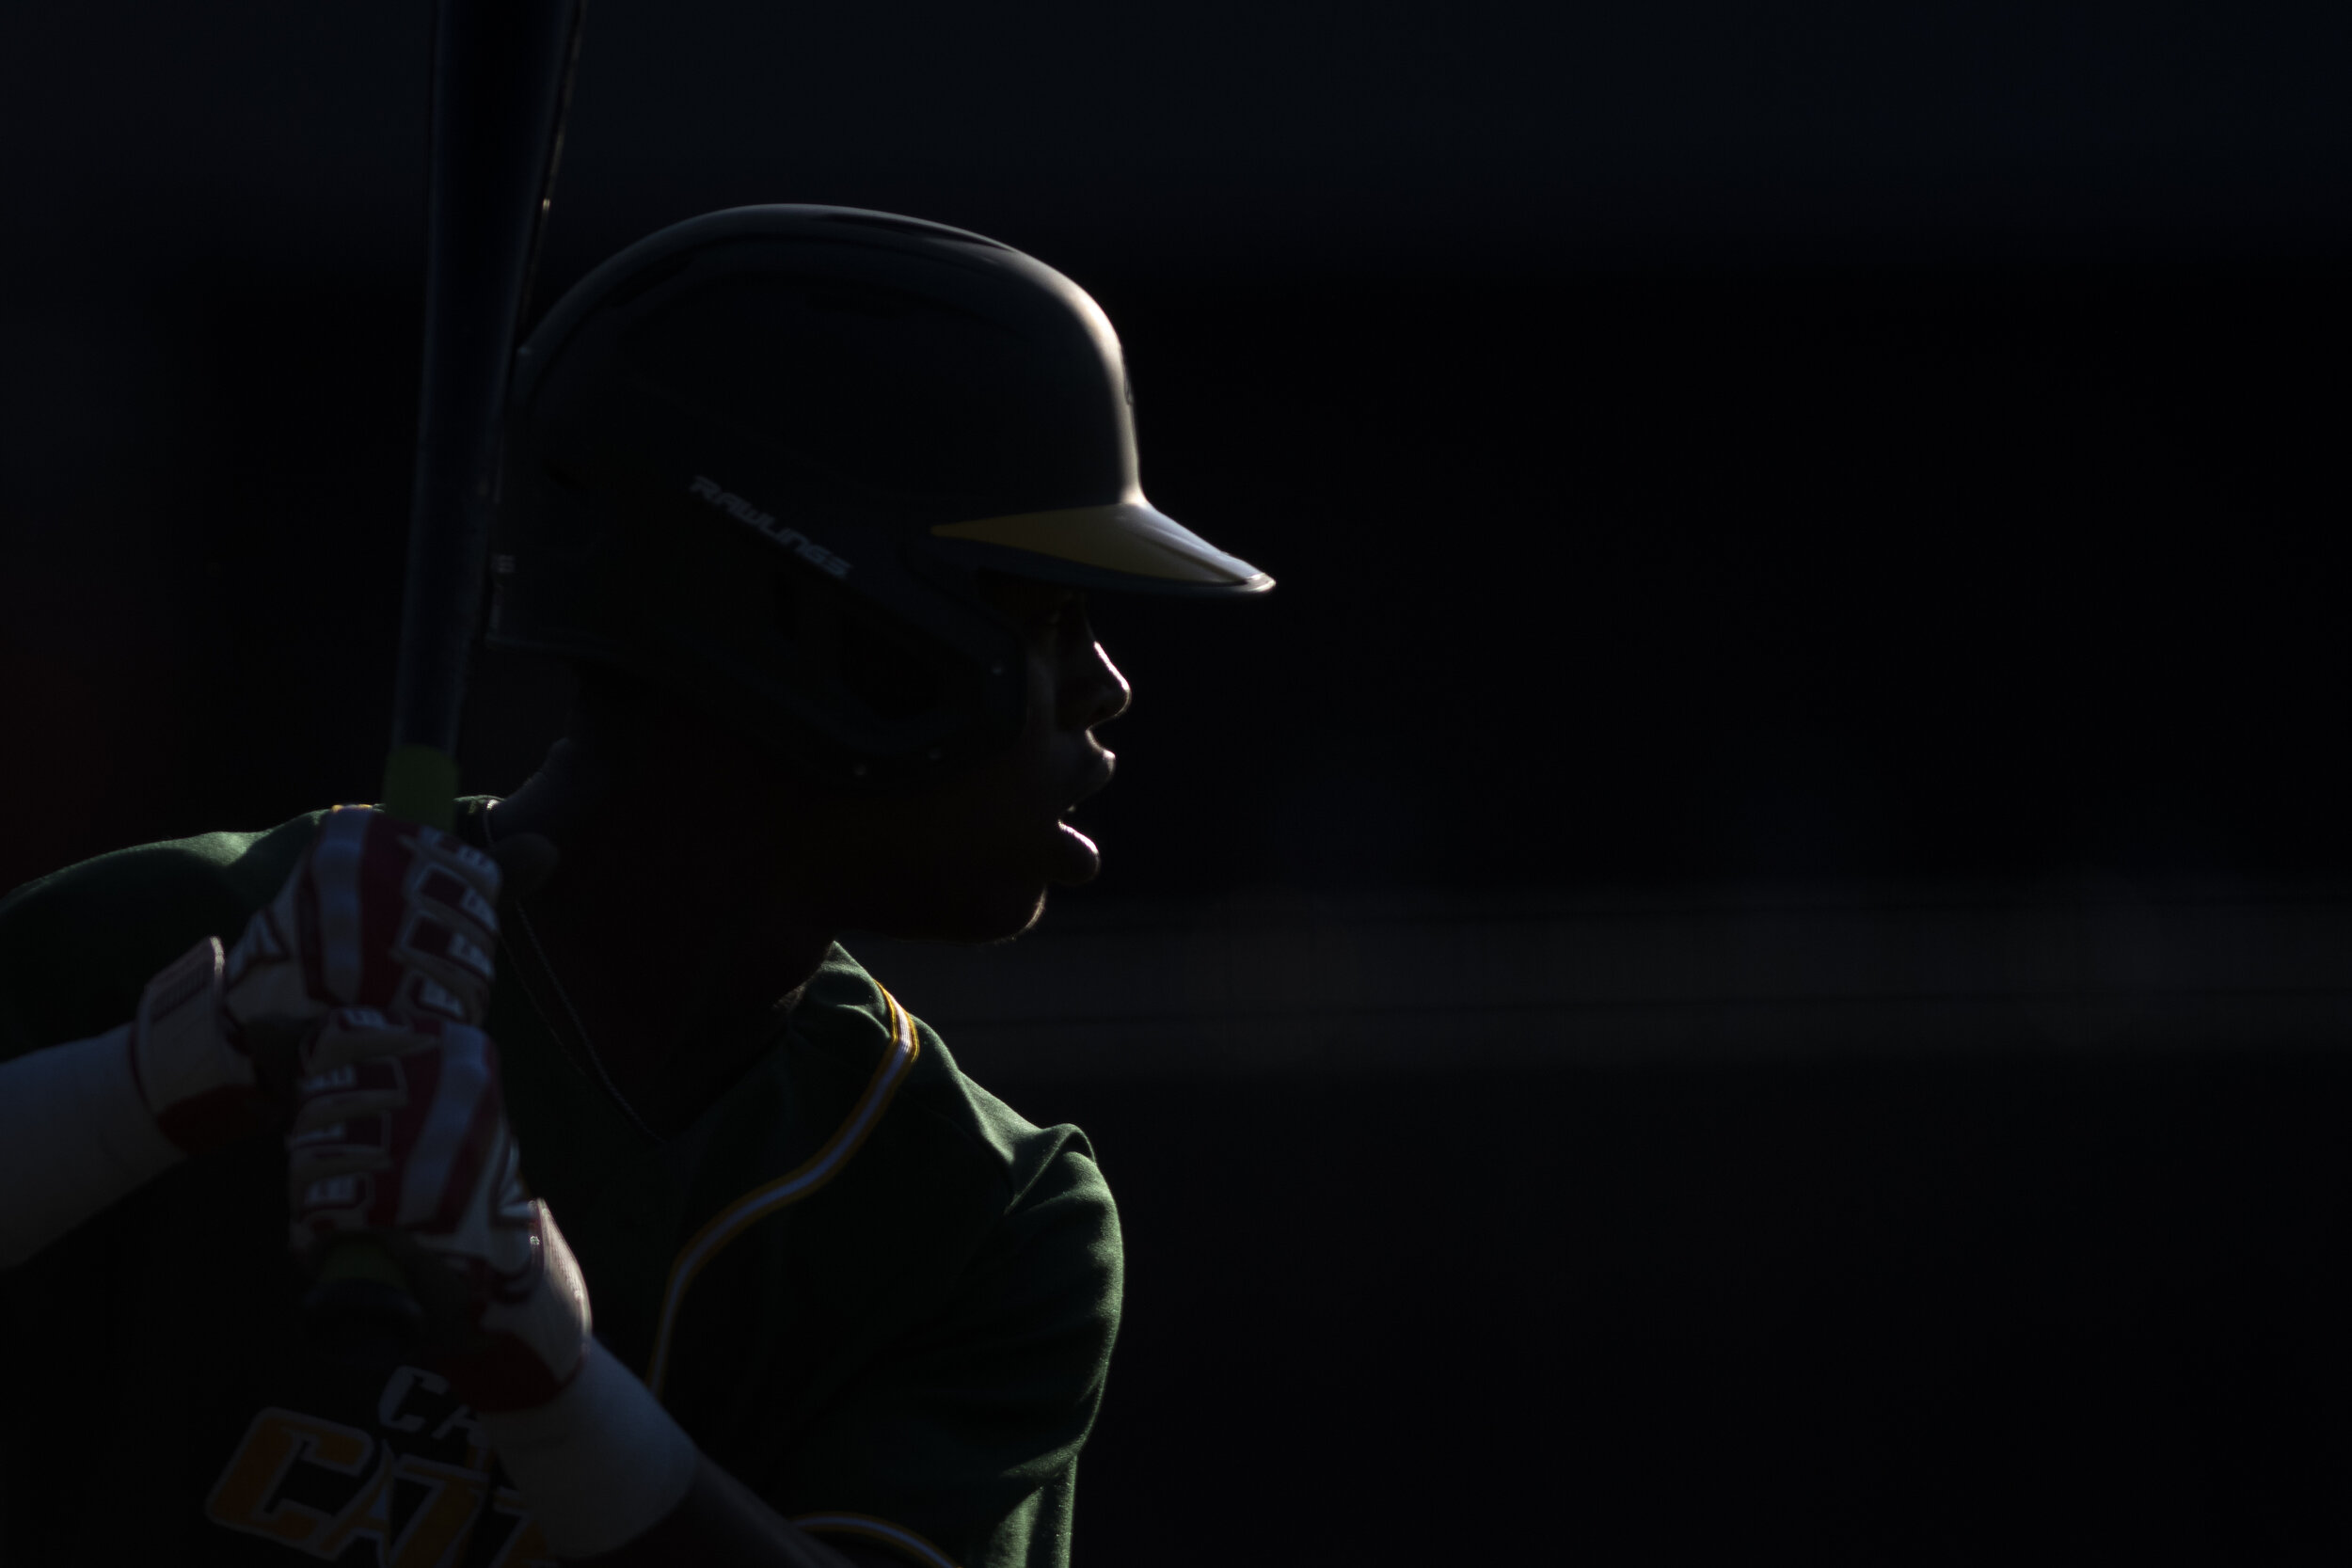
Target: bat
{"x":502,"y":76}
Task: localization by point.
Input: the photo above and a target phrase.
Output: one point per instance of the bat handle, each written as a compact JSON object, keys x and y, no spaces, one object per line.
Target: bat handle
{"x":360,"y":1309}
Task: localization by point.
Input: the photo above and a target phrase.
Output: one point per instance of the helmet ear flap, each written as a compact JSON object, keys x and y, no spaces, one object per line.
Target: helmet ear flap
{"x":889,"y":673}
{"x":878,"y":662}
{"x":788,"y":613}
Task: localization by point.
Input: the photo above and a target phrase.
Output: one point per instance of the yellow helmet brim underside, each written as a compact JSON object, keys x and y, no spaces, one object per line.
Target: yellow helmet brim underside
{"x":1129,"y":539}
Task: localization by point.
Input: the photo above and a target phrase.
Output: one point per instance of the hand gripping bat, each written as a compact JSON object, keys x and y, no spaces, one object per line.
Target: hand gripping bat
{"x":501,"y":82}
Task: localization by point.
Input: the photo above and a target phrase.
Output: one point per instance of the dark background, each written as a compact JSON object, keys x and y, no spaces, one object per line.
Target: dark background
{"x":1697,"y":444}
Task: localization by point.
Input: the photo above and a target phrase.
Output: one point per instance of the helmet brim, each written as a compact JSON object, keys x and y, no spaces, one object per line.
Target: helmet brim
{"x":1128,"y":547}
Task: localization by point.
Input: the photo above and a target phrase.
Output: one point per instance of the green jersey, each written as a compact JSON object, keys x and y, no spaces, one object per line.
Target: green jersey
{"x":864,"y":1285}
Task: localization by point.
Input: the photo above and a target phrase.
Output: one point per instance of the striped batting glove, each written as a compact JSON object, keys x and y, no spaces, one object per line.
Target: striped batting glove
{"x":400,"y":1128}
{"x":378,"y":913}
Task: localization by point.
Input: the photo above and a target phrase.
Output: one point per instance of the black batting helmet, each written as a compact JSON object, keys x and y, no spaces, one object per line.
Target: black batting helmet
{"x":758,"y":457}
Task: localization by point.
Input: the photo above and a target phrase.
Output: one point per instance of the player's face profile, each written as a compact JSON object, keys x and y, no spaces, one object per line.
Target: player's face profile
{"x":971,"y":858}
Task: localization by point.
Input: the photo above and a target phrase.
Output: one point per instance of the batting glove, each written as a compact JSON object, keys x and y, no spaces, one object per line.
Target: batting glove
{"x":400,"y":1128}
{"x":378,"y":913}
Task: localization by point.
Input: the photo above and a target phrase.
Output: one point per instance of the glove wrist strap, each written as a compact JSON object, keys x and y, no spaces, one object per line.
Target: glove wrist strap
{"x":184,"y":1058}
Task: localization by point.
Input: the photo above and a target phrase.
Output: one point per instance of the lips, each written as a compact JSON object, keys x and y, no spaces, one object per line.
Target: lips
{"x":1073,"y":857}
{"x":1090,"y":782}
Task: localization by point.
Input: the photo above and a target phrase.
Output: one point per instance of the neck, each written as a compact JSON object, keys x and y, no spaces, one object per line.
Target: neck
{"x":675,"y":934}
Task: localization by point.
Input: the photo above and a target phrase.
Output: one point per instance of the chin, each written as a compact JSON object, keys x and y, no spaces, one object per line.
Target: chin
{"x":980,"y":922}
{"x":1017,"y":918}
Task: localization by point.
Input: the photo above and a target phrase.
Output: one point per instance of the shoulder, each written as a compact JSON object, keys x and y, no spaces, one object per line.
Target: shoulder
{"x":1005,"y":1167}
{"x":77,"y":944}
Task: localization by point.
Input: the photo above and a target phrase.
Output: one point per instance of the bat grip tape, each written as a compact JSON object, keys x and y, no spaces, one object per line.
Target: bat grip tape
{"x":421,"y":785}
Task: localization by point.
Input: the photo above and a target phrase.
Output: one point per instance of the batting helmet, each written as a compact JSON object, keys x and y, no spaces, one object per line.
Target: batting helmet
{"x":759,"y":456}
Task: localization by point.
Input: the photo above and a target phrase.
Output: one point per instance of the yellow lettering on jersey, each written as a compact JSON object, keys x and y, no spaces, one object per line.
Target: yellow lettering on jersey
{"x":526,"y":1547}
{"x":403,"y":1383}
{"x":443,"y":1523}
{"x":245,"y":1495}
{"x":477,"y":1450}
{"x":370,"y":1514}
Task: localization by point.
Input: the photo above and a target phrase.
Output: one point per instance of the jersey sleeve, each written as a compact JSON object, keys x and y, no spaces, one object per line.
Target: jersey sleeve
{"x":77,"y":946}
{"x":961,"y":1447}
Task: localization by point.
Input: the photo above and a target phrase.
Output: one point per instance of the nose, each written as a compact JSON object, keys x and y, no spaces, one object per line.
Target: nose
{"x":1093,"y":691}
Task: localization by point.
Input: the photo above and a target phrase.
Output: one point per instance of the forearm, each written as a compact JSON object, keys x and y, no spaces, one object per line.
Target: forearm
{"x":75,"y":1138}
{"x":83,"y":1126}
{"x":613,"y":1481}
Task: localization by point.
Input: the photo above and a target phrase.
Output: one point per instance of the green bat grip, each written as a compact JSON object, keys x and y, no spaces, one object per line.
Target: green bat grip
{"x":421,"y":785}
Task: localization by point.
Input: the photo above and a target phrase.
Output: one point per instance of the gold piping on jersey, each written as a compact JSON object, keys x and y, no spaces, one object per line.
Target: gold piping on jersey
{"x":871,"y":1528}
{"x":813,"y":1173}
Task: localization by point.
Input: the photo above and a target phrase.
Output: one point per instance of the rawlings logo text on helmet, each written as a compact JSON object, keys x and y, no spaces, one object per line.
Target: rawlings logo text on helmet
{"x":791,"y":538}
